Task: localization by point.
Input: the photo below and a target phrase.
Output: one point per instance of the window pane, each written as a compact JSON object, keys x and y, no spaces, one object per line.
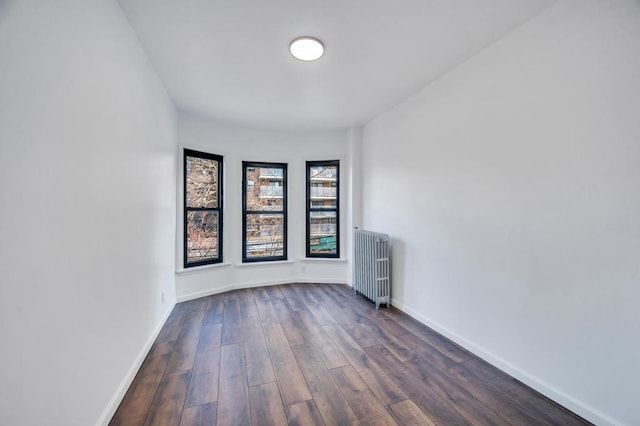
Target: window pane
{"x":266,"y":193}
{"x":265,"y":235}
{"x":202,"y":236}
{"x":318,"y":173}
{"x":322,"y":186}
{"x":202,"y":182}
{"x":323,"y":232}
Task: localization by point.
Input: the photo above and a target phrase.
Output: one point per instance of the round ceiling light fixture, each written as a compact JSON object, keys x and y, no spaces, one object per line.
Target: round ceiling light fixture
{"x":306,"y":48}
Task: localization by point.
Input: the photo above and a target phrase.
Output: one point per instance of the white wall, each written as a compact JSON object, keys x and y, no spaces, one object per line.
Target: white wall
{"x":239,"y":144}
{"x":87,"y":205}
{"x":354,"y":177}
{"x":511,"y":189}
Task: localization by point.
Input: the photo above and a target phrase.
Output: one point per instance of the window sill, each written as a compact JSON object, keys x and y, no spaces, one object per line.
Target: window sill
{"x":266,"y":263}
{"x":183,"y":271}
{"x":324,"y":259}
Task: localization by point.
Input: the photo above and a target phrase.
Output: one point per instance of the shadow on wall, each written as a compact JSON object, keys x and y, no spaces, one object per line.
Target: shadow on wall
{"x":397,"y":253}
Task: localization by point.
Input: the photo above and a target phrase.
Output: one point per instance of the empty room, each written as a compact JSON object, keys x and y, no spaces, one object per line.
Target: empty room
{"x":375,"y":212}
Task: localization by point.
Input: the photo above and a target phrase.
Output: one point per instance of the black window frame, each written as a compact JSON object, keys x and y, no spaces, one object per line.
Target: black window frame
{"x":219,"y":209}
{"x":309,"y":209}
{"x":284,"y":212}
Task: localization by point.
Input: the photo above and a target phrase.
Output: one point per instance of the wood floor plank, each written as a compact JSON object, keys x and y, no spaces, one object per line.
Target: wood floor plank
{"x":349,"y":298}
{"x":173,"y":325}
{"x":304,"y":413}
{"x":275,"y":294}
{"x":490,"y":396}
{"x":348,"y":312}
{"x":203,"y":387}
{"x":352,"y":299}
{"x":168,"y":403}
{"x":341,"y":291}
{"x":504,"y":385}
{"x":248,"y":308}
{"x":200,"y":415}
{"x":327,"y":395}
{"x":233,"y":392}
{"x":529,"y":400}
{"x":371,"y":319}
{"x":385,"y":389}
{"x":438,"y":409}
{"x":136,"y":403}
{"x":360,"y":335}
{"x":184,"y":352}
{"x":333,"y":302}
{"x":210,"y":335}
{"x":231,"y":322}
{"x":363,"y":402}
{"x":215,"y":309}
{"x":323,"y":295}
{"x":328,"y":351}
{"x":197,"y":307}
{"x":392,"y":340}
{"x":387,"y":420}
{"x":485,"y":370}
{"x":422,"y":349}
{"x":265,"y":309}
{"x":450,"y":391}
{"x":129,"y":420}
{"x":341,"y":315}
{"x":407,"y":413}
{"x":266,"y":405}
{"x":290,"y":379}
{"x":381,"y":320}
{"x":292,"y":328}
{"x":442,"y":344}
{"x":320,"y":314}
{"x":259,"y":368}
{"x":292,"y":297}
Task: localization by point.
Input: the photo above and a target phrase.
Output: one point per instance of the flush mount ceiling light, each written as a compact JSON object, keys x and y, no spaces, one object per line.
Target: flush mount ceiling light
{"x":306,"y":48}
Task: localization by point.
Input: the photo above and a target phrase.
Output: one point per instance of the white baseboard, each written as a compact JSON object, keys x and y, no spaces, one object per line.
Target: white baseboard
{"x":541,"y":386}
{"x":117,"y":397}
{"x":252,"y":284}
{"x":318,"y":281}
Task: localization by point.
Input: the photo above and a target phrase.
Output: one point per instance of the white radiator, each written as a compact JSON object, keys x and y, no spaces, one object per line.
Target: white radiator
{"x":371,"y":271}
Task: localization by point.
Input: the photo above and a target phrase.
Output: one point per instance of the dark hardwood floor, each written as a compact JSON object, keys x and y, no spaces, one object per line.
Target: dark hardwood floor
{"x":314,"y":354}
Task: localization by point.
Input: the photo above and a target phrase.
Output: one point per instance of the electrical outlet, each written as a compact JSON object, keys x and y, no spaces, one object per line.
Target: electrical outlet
{"x":162,"y":297}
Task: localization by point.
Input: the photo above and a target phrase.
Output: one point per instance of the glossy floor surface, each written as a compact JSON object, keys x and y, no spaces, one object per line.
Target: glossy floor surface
{"x":316,"y":354}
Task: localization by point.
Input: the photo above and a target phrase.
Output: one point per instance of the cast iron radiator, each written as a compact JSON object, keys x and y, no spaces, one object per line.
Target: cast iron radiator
{"x":371,"y":271}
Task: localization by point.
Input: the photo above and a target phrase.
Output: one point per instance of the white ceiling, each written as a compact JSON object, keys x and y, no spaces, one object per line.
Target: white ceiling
{"x":229,"y":59}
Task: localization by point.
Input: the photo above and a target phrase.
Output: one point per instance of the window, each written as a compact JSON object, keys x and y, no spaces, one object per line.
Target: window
{"x":323,"y":208}
{"x":202,"y":208}
{"x":264,"y":211}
